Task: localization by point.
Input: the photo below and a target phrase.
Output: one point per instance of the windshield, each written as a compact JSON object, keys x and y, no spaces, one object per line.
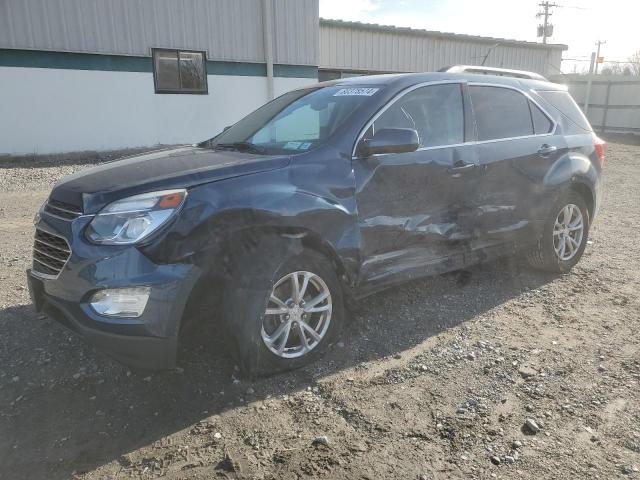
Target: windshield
{"x":296,"y":122}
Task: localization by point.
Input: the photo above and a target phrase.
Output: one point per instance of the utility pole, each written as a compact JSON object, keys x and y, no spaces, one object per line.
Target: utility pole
{"x":546,"y":27}
{"x":598,"y":43}
{"x":589,"y":80}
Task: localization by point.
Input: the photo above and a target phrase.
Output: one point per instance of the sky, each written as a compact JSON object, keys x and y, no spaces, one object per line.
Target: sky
{"x":578,"y":24}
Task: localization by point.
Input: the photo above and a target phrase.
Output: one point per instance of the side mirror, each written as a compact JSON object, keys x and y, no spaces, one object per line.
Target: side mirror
{"x":389,"y":140}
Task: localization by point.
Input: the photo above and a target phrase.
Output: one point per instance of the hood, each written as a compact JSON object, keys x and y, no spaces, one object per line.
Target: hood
{"x":182,"y":167}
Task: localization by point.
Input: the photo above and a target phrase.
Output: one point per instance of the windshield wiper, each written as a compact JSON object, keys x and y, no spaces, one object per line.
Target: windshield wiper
{"x":242,"y":147}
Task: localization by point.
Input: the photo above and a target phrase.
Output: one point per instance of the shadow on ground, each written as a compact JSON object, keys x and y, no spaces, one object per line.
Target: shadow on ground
{"x":66,"y":408}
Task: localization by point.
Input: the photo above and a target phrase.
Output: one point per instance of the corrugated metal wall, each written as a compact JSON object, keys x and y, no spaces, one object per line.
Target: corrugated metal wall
{"x":227,"y":29}
{"x":614,"y":101}
{"x":353,"y":46}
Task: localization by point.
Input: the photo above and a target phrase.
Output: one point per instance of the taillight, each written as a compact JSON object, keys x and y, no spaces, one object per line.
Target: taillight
{"x":599,"y":144}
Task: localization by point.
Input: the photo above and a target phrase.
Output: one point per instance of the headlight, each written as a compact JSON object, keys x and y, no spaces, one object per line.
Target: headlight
{"x":38,"y":214}
{"x":132,"y":219}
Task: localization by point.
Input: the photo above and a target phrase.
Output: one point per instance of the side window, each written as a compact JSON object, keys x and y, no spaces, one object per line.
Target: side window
{"x":434,"y":111}
{"x":541,"y":123}
{"x":500,"y":112}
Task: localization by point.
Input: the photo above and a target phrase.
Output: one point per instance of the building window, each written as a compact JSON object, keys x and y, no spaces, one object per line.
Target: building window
{"x":179,"y":71}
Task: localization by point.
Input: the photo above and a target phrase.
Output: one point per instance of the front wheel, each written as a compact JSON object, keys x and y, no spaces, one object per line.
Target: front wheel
{"x":564,"y":236}
{"x":282,"y":309}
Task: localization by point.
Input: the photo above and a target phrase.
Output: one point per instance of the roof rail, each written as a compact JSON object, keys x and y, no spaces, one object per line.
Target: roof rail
{"x":505,"y":72}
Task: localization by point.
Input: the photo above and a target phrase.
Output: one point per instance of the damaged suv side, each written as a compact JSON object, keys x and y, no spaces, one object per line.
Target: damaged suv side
{"x":323,"y":195}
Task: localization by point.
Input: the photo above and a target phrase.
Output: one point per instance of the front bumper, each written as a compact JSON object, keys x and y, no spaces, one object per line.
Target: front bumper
{"x":148,"y":341}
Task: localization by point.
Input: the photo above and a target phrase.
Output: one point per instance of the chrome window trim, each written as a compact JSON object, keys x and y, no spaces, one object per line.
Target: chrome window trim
{"x":471,"y":142}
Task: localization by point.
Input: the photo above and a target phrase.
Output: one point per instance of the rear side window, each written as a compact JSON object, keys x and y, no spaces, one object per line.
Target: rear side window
{"x":500,"y":112}
{"x":567,"y":106}
{"x":434,"y":111}
{"x":541,"y":123}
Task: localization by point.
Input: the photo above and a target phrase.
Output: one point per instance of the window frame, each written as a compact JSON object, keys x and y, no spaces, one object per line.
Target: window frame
{"x":399,"y":95}
{"x":470,"y":124}
{"x":179,"y":90}
{"x":527,"y":97}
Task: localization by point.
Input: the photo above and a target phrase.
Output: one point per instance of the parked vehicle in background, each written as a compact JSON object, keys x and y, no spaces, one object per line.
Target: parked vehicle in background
{"x":324,"y":195}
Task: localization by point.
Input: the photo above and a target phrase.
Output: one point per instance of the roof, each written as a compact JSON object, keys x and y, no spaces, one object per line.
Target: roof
{"x":437,"y":34}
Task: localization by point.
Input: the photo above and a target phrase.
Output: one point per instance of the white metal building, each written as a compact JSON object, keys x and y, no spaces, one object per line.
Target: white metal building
{"x":85,"y":74}
{"x":353,"y":48}
{"x":105,"y":74}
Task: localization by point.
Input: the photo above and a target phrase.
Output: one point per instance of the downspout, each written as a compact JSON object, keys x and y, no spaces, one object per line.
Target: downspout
{"x":267,"y":28}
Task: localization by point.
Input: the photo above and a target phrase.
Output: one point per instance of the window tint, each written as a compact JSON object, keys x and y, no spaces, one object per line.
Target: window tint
{"x":177,"y":71}
{"x":299,"y":125}
{"x":541,"y":123}
{"x":435,"y":112}
{"x":567,"y":106}
{"x":297,"y":121}
{"x":500,"y":112}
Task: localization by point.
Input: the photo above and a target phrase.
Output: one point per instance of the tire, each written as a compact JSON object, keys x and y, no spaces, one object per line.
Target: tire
{"x":273,"y":262}
{"x":544,"y":255}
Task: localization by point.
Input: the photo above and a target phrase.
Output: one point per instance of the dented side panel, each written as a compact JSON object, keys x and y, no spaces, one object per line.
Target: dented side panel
{"x":414,"y":211}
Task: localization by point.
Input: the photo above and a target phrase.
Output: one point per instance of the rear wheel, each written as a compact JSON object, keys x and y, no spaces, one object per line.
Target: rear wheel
{"x":283,"y":307}
{"x":564,"y":236}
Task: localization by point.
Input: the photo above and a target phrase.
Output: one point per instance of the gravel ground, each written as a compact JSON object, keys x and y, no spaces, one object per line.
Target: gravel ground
{"x":495,"y":372}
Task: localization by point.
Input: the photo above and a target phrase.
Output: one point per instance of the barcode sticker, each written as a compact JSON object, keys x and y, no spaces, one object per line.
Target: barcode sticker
{"x":361,"y":92}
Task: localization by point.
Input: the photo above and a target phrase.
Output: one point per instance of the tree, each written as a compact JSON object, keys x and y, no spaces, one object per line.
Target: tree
{"x":634,"y":63}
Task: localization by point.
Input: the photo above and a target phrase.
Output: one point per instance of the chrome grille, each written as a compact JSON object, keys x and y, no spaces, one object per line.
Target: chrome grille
{"x":62,"y":210}
{"x":50,"y":253}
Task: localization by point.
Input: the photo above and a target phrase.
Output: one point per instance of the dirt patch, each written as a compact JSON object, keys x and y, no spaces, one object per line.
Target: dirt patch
{"x":435,"y":379}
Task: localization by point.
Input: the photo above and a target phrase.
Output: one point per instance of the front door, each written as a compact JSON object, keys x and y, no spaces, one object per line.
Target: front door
{"x":412,"y":208}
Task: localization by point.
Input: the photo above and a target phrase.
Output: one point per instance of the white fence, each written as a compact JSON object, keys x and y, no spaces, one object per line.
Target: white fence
{"x":614,"y":101}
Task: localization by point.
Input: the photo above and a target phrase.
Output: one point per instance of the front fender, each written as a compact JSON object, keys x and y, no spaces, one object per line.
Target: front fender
{"x":267,"y":202}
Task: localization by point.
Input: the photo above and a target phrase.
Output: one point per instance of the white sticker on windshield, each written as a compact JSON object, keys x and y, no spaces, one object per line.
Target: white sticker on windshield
{"x":304,"y":146}
{"x":364,"y":92}
{"x":291,"y":145}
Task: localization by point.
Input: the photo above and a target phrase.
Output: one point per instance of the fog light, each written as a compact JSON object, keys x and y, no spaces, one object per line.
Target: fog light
{"x":121,"y":302}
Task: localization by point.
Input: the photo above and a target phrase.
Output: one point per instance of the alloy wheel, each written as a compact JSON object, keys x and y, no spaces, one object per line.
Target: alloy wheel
{"x":568,"y":231}
{"x":298,"y":314}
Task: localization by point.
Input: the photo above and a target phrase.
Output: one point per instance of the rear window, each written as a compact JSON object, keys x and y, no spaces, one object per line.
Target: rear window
{"x":567,"y":106}
{"x":500,"y":112}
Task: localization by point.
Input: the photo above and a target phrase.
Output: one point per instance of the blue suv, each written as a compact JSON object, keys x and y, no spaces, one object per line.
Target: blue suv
{"x":324,"y":195}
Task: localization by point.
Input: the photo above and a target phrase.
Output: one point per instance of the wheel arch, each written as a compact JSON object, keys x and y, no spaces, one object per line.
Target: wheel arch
{"x":587,"y":195}
{"x":219,"y":261}
{"x":573,"y":172}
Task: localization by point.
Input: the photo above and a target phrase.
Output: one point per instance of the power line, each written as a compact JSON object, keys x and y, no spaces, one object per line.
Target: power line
{"x":546,"y":29}
{"x":606,"y":61}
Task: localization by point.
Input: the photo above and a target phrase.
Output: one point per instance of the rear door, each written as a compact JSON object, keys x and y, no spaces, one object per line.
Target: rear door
{"x":516,"y":147}
{"x":411,"y":205}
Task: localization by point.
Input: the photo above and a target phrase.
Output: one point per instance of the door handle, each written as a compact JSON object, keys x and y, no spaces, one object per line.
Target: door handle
{"x":461,"y":167}
{"x":546,"y":149}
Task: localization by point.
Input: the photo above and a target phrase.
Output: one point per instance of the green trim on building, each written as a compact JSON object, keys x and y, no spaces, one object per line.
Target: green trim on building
{"x":236,"y":68}
{"x":123,"y":63}
{"x":73,"y":61}
{"x":295,"y":71}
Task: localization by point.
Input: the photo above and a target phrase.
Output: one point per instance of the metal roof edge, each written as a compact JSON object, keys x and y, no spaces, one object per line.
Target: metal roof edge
{"x":435,"y":33}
